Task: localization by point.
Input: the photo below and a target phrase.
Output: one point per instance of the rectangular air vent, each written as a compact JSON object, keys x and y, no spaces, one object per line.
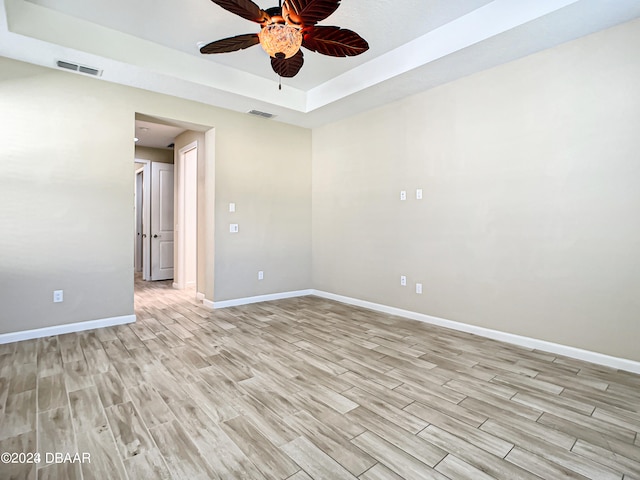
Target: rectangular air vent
{"x":79,"y":68}
{"x":261,"y":114}
{"x":67,"y":65}
{"x":89,"y":71}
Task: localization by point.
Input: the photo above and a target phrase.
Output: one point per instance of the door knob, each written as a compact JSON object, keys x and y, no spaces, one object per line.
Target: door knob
{"x":156,"y":236}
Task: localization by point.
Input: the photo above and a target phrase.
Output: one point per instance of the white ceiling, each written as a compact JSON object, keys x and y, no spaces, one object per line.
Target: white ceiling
{"x":155,"y":134}
{"x":414,"y":45}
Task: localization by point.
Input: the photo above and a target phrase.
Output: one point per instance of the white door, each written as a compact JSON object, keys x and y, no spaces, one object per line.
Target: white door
{"x":138,"y":228}
{"x":161,"y":221}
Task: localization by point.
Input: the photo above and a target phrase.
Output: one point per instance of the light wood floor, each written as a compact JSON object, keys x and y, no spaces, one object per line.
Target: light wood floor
{"x":308,"y":388}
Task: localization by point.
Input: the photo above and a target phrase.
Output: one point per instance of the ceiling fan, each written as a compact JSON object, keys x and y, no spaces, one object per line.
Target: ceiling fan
{"x":285,"y":29}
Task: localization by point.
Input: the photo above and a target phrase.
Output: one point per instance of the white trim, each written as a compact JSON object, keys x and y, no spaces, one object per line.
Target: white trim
{"x":66,"y":328}
{"x":209,"y":304}
{"x":180,"y":183}
{"x":146,"y":217}
{"x":200,"y":296}
{"x":527,"y":342}
{"x":260,"y":298}
{"x":522,"y":341}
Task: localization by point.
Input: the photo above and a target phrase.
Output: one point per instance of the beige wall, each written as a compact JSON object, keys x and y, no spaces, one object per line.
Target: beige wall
{"x":268,"y":177}
{"x":66,"y":192}
{"x":530,"y":222}
{"x":161,"y":155}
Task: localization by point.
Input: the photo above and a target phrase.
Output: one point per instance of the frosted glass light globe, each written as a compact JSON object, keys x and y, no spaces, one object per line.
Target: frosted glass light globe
{"x":280,"y":40}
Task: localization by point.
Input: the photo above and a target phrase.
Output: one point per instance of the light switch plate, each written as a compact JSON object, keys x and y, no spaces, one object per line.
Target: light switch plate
{"x":232,"y":207}
{"x":418,"y":288}
{"x":233,"y":228}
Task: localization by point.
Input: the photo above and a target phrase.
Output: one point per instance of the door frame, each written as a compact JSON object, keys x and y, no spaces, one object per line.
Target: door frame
{"x":180,"y":215}
{"x":146,"y":216}
{"x":138,"y":192}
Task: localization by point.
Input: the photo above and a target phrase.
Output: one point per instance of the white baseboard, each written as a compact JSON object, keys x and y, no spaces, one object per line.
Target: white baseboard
{"x":260,"y":298}
{"x":208,"y":304}
{"x":66,"y":328}
{"x":200,"y":296}
{"x":527,"y":342}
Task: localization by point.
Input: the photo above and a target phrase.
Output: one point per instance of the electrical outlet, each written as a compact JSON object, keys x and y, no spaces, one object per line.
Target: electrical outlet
{"x":403,"y":280}
{"x":232,"y":207}
{"x":260,"y":275}
{"x":418,"y":194}
{"x":58,"y":296}
{"x":418,"y":288}
{"x":403,"y":195}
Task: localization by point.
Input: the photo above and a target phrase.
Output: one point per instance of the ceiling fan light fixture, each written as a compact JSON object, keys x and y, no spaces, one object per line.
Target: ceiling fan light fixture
{"x":280,"y":40}
{"x":286,"y":28}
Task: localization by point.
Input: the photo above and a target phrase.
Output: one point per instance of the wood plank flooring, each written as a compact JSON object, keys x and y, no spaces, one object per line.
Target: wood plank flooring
{"x":307,"y":388}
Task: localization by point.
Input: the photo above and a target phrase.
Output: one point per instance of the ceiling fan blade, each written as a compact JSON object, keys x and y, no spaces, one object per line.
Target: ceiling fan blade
{"x":288,"y":67}
{"x":308,"y":12}
{"x":334,"y":41}
{"x":245,"y":9}
{"x":231,"y":44}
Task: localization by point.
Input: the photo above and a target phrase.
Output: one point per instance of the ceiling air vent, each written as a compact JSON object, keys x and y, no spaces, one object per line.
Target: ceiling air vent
{"x":79,"y":68}
{"x":258,"y":113}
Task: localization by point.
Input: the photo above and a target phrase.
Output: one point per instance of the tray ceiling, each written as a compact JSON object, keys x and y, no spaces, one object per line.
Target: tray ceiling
{"x":414,"y":45}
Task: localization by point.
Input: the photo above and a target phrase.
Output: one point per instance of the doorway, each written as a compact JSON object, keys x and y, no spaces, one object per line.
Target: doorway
{"x":187,"y":216}
{"x":171,"y":141}
{"x":154,"y":216}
